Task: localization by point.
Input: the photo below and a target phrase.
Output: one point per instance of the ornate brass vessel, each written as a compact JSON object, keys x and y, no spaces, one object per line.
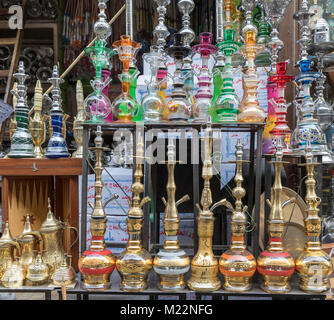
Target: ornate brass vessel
{"x":171,"y":263}
{"x":135,"y":262}
{"x":313,"y":265}
{"x":97,"y":263}
{"x":14,"y":275}
{"x":275,"y":264}
{"x":37,"y":272}
{"x":27,"y":240}
{"x":79,"y":120}
{"x":64,"y":274}
{"x":7,"y":247}
{"x":204,"y":266}
{"x":237,"y":264}
{"x":51,"y":231}
{"x":37,"y":122}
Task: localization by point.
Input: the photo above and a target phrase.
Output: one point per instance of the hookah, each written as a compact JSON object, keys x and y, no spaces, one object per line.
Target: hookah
{"x":275,"y":264}
{"x":320,"y":47}
{"x":153,"y":104}
{"x":135,"y":262}
{"x":277,"y":77}
{"x":97,"y":104}
{"x":203,"y":96}
{"x":219,"y":57}
{"x":178,"y":108}
{"x":171,"y":262}
{"x":307,"y":126}
{"x":313,"y":265}
{"x":22,"y":145}
{"x":57,"y":147}
{"x":237,"y":264}
{"x":225,"y":106}
{"x":204,"y":266}
{"x":126,"y":108}
{"x":250,"y":111}
{"x":186,"y":7}
{"x":281,"y":129}
{"x":161,"y":33}
{"x":97,"y":263}
{"x":79,"y":121}
{"x":37,"y":122}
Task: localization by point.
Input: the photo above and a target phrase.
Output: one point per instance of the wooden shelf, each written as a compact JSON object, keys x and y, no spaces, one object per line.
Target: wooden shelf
{"x":40,"y":167}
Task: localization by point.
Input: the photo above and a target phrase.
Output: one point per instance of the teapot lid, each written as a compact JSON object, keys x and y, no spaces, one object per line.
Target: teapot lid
{"x":27,"y":228}
{"x":6,"y":235}
{"x":50,"y":223}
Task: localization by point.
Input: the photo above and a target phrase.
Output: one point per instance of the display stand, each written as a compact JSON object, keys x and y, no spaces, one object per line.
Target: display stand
{"x":26,"y":186}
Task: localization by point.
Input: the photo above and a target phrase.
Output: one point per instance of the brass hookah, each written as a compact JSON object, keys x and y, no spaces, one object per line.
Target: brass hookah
{"x":97,"y":263}
{"x":171,"y":263}
{"x":237,"y":264}
{"x":313,"y":265}
{"x":204,"y":266}
{"x":275,"y":264}
{"x":37,"y":122}
{"x":135,"y":262}
{"x":79,"y":120}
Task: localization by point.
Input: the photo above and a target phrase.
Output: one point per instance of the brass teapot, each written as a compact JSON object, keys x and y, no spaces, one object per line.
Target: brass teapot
{"x":27,"y":240}
{"x":64,"y":274}
{"x":7,"y":247}
{"x":14,"y":275}
{"x":37,"y":272}
{"x":52,"y":231}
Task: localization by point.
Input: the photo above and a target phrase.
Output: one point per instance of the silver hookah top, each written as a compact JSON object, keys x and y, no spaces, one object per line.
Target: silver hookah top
{"x":21,"y":91}
{"x":279,"y":150}
{"x":186,"y":7}
{"x":248,"y":6}
{"x":98,"y":139}
{"x":161,"y":31}
{"x":55,"y":80}
{"x":102,"y":28}
{"x":320,"y":27}
{"x":308,"y":152}
{"x":171,"y":153}
{"x":239,"y":150}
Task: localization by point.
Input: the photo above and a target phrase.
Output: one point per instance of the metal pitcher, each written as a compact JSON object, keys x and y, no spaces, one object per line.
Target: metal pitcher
{"x":52,"y":231}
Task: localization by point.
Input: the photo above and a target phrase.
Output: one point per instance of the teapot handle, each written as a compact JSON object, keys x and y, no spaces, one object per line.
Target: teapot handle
{"x":13,"y":243}
{"x":37,"y":235}
{"x":67,"y":226}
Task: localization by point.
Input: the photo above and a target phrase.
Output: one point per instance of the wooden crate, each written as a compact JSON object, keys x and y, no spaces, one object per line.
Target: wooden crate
{"x":26,"y":186}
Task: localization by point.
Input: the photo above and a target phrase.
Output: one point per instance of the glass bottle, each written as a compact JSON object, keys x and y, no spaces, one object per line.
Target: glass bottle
{"x":125,"y":108}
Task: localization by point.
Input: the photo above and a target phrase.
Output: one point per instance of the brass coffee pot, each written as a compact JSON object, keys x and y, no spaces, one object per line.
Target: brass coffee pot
{"x":27,"y":240}
{"x":64,"y":274}
{"x":7,"y":247}
{"x":37,"y":272}
{"x":52,"y":231}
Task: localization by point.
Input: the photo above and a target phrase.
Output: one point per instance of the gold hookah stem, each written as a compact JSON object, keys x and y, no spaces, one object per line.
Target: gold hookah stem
{"x":313,"y":221}
{"x":98,"y":208}
{"x":171,"y":187}
{"x":38,"y":101}
{"x":206,"y":199}
{"x":238,"y":192}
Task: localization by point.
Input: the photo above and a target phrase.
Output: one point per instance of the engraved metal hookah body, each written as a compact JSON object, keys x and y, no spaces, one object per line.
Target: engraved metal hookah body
{"x":171,"y":263}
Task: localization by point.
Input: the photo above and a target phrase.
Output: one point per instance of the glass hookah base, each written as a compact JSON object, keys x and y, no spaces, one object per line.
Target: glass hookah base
{"x":275,"y":284}
{"x":311,"y":286}
{"x":251,"y":115}
{"x":133,"y":283}
{"x":96,"y":282}
{"x":208,"y":281}
{"x":237,"y":284}
{"x":171,"y":282}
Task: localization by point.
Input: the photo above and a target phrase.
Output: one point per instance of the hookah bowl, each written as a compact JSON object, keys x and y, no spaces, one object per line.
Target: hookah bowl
{"x":125,"y":108}
{"x":281,"y":129}
{"x":225,"y":108}
{"x":22,"y":145}
{"x":178,"y":107}
{"x":153,"y":104}
{"x":203,"y":97}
